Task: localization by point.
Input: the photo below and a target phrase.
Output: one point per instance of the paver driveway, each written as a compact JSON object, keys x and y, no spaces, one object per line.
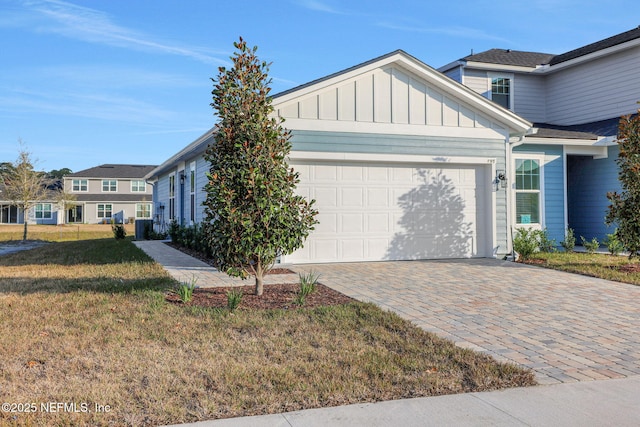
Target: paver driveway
{"x":565,"y":327}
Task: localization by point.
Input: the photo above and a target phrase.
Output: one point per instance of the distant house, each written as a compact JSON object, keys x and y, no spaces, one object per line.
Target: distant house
{"x":408,"y":162}
{"x":109,"y":192}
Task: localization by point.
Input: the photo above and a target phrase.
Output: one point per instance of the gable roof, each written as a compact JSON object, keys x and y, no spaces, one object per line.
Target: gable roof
{"x":510,"y":57}
{"x":410,"y":69}
{"x":114,"y":171}
{"x":534,"y":59}
{"x":599,"y":45}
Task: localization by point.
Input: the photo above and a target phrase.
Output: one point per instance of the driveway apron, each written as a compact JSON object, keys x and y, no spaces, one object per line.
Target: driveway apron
{"x":565,"y":327}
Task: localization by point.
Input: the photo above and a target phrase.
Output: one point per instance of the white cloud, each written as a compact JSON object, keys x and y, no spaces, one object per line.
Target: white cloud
{"x":94,"y":26}
{"x":453,"y":31}
{"x":319,"y":6}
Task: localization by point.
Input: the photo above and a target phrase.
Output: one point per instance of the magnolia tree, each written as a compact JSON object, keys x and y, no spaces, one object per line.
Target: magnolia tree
{"x":253,"y":214}
{"x":624,"y":210}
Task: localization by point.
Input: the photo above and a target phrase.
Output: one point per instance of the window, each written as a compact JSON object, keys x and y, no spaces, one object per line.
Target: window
{"x":528,"y":179}
{"x":105,"y":210}
{"x":43,"y":211}
{"x":138,"y":186}
{"x":501,"y":91}
{"x":79,"y":185}
{"x":192,"y":183}
{"x":109,"y":185}
{"x":143,"y":210}
{"x":172,"y":197}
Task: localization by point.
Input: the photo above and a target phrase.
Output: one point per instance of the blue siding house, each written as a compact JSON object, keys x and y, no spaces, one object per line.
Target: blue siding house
{"x":409,"y":162}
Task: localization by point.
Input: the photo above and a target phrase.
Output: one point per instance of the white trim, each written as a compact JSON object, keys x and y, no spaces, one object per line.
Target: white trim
{"x":396,"y":129}
{"x":388,"y":158}
{"x":565,"y":189}
{"x":499,"y":75}
{"x":540,"y":157}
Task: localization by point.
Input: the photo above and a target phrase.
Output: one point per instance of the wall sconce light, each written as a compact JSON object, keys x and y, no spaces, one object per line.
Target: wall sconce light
{"x":501,"y":178}
{"x":181,"y":177}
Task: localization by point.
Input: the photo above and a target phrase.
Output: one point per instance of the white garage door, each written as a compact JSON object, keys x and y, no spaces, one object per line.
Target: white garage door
{"x":395,"y":211}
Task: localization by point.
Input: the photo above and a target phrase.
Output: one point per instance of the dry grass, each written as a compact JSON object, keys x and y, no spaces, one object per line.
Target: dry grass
{"x":604,"y":266}
{"x":87,"y":323}
{"x":59,"y":233}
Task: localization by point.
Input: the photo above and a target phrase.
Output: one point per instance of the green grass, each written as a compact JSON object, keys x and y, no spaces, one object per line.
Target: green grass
{"x":604,"y":266}
{"x":87,"y":322}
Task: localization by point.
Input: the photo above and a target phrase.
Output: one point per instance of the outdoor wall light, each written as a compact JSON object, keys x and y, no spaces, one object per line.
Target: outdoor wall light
{"x":501,"y":177}
{"x":181,"y":177}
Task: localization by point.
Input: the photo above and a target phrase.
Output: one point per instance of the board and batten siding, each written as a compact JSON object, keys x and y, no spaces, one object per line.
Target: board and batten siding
{"x":597,"y":90}
{"x":553,"y":192}
{"x":387,"y":95}
{"x":439,"y":148}
{"x":588,"y":182}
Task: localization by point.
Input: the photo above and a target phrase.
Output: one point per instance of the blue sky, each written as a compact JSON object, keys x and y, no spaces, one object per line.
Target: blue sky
{"x":84,"y":82}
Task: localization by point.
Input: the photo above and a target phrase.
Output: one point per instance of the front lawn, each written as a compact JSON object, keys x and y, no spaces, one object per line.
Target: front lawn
{"x":604,"y":266}
{"x":87,"y":337}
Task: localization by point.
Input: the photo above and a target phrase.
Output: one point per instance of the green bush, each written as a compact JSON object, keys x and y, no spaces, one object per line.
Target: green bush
{"x":591,"y":246}
{"x":234,"y":298}
{"x":546,"y":244}
{"x":185,"y":290}
{"x":308,"y":285}
{"x":569,"y":242}
{"x":526,"y":242}
{"x":119,"y":232}
{"x":614,"y":245}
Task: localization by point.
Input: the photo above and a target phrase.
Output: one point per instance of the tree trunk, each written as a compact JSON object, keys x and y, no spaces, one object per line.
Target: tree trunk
{"x":259,"y":272}
{"x":259,"y":284}
{"x":24,"y":234}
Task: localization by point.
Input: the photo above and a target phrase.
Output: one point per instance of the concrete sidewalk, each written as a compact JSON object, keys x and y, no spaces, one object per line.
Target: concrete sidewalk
{"x":592,"y":403}
{"x":572,"y":403}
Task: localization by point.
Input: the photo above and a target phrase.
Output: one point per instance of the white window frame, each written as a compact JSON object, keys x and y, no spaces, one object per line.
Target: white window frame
{"x":82,"y":184}
{"x":39,"y":209}
{"x":104,"y":210}
{"x":135,"y":186}
{"x":140,"y":209}
{"x":541,"y":162}
{"x":192,"y":192}
{"x":109,"y":181}
{"x":509,"y":76}
{"x":172,"y":196}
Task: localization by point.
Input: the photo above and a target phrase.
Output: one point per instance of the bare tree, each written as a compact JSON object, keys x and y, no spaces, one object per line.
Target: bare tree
{"x":23,"y":185}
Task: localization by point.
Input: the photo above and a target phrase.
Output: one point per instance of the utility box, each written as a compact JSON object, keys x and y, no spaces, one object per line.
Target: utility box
{"x":141,"y":224}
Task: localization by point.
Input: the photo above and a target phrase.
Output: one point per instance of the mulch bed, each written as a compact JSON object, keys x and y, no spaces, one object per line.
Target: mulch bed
{"x":278,"y":296}
{"x":627,"y":268}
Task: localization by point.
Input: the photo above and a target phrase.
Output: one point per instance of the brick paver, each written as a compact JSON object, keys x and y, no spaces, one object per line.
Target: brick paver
{"x":565,"y":327}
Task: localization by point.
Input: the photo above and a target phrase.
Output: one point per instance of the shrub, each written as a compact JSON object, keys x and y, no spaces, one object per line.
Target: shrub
{"x":569,"y":242}
{"x":546,"y":244}
{"x":526,"y":242}
{"x":119,"y":232}
{"x":185,"y":290}
{"x":614,"y":245}
{"x":591,"y":246}
{"x":308,"y":285}
{"x":234,"y":298}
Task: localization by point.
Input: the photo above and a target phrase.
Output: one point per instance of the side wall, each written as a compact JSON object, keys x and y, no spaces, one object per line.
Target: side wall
{"x":601,"y":89}
{"x":588,"y":181}
{"x":553,"y":187}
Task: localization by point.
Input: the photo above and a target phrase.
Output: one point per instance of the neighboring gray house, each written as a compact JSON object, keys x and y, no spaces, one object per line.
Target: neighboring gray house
{"x":407,"y":162}
{"x":110,"y":192}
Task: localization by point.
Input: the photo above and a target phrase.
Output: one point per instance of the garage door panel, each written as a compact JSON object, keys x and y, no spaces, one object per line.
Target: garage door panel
{"x":396,"y":211}
{"x":352,"y":223}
